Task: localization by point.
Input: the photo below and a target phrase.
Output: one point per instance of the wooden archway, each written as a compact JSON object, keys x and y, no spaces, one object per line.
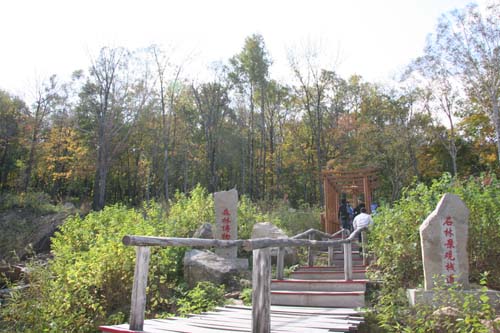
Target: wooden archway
{"x":352,"y":184}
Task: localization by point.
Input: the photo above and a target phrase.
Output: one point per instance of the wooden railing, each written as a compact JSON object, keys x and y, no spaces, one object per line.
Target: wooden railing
{"x":261,"y":275}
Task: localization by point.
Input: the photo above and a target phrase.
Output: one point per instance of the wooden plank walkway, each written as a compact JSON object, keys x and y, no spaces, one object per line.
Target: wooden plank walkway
{"x":238,"y":319}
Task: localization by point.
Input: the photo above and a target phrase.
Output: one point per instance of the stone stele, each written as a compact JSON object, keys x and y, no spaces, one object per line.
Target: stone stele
{"x":443,"y":236}
{"x":226,"y":220}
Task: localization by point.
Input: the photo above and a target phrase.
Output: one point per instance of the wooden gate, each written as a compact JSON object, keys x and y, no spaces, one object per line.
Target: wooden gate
{"x":352,"y":184}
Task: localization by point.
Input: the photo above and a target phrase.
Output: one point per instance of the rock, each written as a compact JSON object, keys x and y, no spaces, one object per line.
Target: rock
{"x":25,"y":232}
{"x":443,"y":236}
{"x":233,"y":294}
{"x":245,"y":283}
{"x":69,"y":206}
{"x":204,"y":231}
{"x":268,"y":230}
{"x":492,"y":326}
{"x":444,"y":317}
{"x":207,"y":266}
{"x":447,"y":312}
{"x":12,"y":273}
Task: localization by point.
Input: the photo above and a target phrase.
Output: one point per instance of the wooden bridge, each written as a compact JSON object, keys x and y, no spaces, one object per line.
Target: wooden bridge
{"x":314,"y":298}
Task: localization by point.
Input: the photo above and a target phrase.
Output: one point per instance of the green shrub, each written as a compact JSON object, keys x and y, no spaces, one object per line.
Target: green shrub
{"x":36,"y":202}
{"x":456,"y":312}
{"x":204,"y":297}
{"x":395,"y":237}
{"x":396,"y":244}
{"x":294,"y":220}
{"x":246,"y":296}
{"x":248,"y":215}
{"x":89,"y":280}
{"x":188,"y":212}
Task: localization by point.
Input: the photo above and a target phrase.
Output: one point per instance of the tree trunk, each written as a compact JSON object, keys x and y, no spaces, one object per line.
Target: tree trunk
{"x":263,"y":142}
{"x":101,"y":172}
{"x":453,"y":155}
{"x":31,"y":160}
{"x":3,"y":170}
{"x":496,"y":121}
{"x":165,"y":173}
{"x":251,"y":157}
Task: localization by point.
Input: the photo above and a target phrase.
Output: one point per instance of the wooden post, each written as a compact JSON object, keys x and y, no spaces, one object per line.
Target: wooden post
{"x":261,"y":291}
{"x":280,"y":263}
{"x":366,"y":191}
{"x":310,"y":257}
{"x":348,"y":261}
{"x":326,"y":190}
{"x":138,"y":305}
{"x":335,"y":213}
{"x":363,"y":247}
{"x":330,"y":256}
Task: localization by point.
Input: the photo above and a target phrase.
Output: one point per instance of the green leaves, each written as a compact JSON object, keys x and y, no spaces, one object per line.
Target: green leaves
{"x":204,"y":297}
{"x":395,"y":241}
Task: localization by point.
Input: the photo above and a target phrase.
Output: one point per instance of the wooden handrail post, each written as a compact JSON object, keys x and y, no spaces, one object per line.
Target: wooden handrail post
{"x":280,"y":263}
{"x":310,"y":259}
{"x":363,"y":247}
{"x":330,"y":255}
{"x":261,"y":291}
{"x":138,"y":303}
{"x":348,"y":261}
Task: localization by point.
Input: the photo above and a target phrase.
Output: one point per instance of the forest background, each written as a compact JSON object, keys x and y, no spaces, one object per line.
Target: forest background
{"x":132,"y":128}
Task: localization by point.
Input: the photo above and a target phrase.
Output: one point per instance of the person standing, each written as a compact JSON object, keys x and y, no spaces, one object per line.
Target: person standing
{"x":357,"y":210}
{"x":350,"y":210}
{"x":344,"y":215}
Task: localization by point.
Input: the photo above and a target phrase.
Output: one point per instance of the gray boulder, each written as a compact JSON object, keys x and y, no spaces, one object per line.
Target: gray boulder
{"x":269,"y":230}
{"x":204,"y":231}
{"x":202,"y":265}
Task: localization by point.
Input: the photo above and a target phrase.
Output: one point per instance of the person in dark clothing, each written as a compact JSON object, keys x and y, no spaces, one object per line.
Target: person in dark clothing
{"x":344,"y":215}
{"x":358,"y":208}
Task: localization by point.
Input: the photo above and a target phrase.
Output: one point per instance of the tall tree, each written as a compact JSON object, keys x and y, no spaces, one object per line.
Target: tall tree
{"x":213,"y":106}
{"x":278,"y":98}
{"x":65,"y":154}
{"x":250,"y":73}
{"x":168,"y":77}
{"x":313,"y":81}
{"x":13,"y":112}
{"x":45,"y":95}
{"x":383,"y":136}
{"x":469,"y":41}
{"x":111,"y":99}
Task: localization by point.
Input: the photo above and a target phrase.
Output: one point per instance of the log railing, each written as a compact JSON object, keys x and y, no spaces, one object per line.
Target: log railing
{"x":311,"y":234}
{"x":261,"y":276}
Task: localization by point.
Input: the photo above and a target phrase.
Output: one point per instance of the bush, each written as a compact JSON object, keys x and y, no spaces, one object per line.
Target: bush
{"x":456,"y":312}
{"x":395,"y":237}
{"x":295,"y":221}
{"x":204,"y":297}
{"x":396,"y":244}
{"x":248,"y":215}
{"x":246,"y":296}
{"x":89,"y":280}
{"x":188,"y":212}
{"x":35,"y":202}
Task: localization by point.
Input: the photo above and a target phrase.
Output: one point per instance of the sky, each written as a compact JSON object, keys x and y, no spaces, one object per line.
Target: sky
{"x":371,"y":38}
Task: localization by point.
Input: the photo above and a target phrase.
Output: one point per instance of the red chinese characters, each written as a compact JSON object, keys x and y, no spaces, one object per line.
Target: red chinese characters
{"x":449,"y":250}
{"x":226,"y":224}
